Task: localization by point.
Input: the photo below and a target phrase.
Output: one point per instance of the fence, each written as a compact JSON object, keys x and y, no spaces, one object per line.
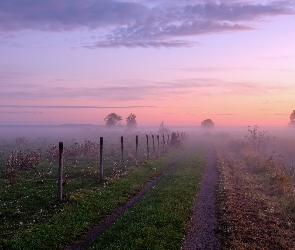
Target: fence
{"x":107,"y":159}
{"x":123,"y":166}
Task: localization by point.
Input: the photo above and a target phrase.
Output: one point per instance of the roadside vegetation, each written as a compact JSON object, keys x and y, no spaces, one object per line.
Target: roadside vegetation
{"x":256,"y":195}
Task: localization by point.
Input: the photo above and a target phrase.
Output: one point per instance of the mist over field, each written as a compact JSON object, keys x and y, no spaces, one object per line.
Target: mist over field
{"x":279,"y":139}
{"x":88,"y":131}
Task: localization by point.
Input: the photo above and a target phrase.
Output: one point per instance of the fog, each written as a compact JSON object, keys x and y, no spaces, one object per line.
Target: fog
{"x":280,"y":141}
{"x":81,"y":132}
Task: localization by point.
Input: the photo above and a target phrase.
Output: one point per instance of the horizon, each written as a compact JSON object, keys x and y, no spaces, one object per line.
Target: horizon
{"x":180,"y":62}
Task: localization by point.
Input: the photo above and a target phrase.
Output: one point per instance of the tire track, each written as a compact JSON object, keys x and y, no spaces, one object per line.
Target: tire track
{"x":109,"y":220}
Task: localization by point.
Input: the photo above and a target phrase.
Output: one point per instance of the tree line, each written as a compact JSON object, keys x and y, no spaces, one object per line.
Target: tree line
{"x":113,"y":119}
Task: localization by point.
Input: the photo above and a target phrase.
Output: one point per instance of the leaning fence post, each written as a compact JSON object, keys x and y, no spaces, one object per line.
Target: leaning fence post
{"x":136,"y":148}
{"x":147,"y":146}
{"x":101,"y":175}
{"x":122,"y":152}
{"x":60,"y":170}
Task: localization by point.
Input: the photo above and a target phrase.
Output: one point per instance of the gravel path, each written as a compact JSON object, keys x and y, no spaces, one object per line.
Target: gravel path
{"x":203,"y":224}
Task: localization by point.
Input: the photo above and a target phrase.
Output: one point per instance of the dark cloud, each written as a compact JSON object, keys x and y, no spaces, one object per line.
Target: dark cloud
{"x":138,"y":23}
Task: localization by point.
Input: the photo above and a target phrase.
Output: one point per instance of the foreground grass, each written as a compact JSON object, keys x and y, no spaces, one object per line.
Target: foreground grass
{"x":158,"y":220}
{"x":34,"y":221}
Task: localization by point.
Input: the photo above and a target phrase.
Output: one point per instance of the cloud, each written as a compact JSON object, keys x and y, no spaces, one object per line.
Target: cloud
{"x":229,"y":69}
{"x":142,"y":44}
{"x":227,"y":114}
{"x":19,"y":112}
{"x":277,"y":114}
{"x":136,"y":89}
{"x":67,"y":107}
{"x":10,"y":44}
{"x":138,"y":23}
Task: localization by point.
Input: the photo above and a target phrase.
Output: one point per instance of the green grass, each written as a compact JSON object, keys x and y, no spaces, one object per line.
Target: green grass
{"x":33,"y":219}
{"x":158,"y":220}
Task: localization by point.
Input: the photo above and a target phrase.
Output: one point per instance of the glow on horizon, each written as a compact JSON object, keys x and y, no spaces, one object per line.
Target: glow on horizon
{"x":239,"y":71}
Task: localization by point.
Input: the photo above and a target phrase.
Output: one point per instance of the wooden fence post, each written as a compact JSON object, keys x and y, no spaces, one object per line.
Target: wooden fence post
{"x":60,"y":171}
{"x":168,"y":139}
{"x":122,"y":152}
{"x":101,"y":175}
{"x":136,"y":148}
{"x":147,"y":146}
{"x":163,"y":142}
{"x":158,"y":138}
{"x":153,"y":144}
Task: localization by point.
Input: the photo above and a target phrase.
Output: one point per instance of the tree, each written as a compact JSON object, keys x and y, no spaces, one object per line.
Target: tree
{"x":131,"y":121}
{"x":112,"y":119}
{"x":208,"y":123}
{"x":292,"y":119}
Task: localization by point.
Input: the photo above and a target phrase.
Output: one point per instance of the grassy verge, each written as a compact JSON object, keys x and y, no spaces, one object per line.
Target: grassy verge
{"x":256,"y":201}
{"x":33,"y":221}
{"x":158,"y":220}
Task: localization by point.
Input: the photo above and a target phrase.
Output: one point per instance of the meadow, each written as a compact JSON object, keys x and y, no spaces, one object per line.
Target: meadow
{"x":30,"y":211}
{"x":255,"y":194}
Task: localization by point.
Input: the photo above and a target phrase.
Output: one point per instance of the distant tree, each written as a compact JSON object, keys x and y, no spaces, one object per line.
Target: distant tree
{"x":131,"y":121}
{"x":292,"y":119}
{"x":163,"y":129}
{"x":208,"y":123}
{"x":112,"y":119}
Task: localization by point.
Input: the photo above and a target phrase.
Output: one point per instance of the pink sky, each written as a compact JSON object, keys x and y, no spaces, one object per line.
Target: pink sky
{"x":174,"y":61}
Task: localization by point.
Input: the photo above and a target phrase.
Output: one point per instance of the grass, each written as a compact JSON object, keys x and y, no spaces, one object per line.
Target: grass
{"x":158,"y":220}
{"x":256,"y":199}
{"x":33,"y":219}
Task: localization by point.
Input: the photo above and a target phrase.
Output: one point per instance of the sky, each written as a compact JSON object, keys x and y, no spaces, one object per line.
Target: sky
{"x":177,"y":61}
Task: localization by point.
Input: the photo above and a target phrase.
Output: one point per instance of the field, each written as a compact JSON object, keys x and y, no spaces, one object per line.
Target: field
{"x":255,"y":203}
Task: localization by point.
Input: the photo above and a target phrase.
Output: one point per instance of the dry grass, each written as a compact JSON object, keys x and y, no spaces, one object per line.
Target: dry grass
{"x":256,"y":200}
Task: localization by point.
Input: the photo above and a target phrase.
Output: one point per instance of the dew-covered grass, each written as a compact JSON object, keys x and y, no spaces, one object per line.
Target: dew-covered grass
{"x":31,"y":216}
{"x":158,"y":220}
